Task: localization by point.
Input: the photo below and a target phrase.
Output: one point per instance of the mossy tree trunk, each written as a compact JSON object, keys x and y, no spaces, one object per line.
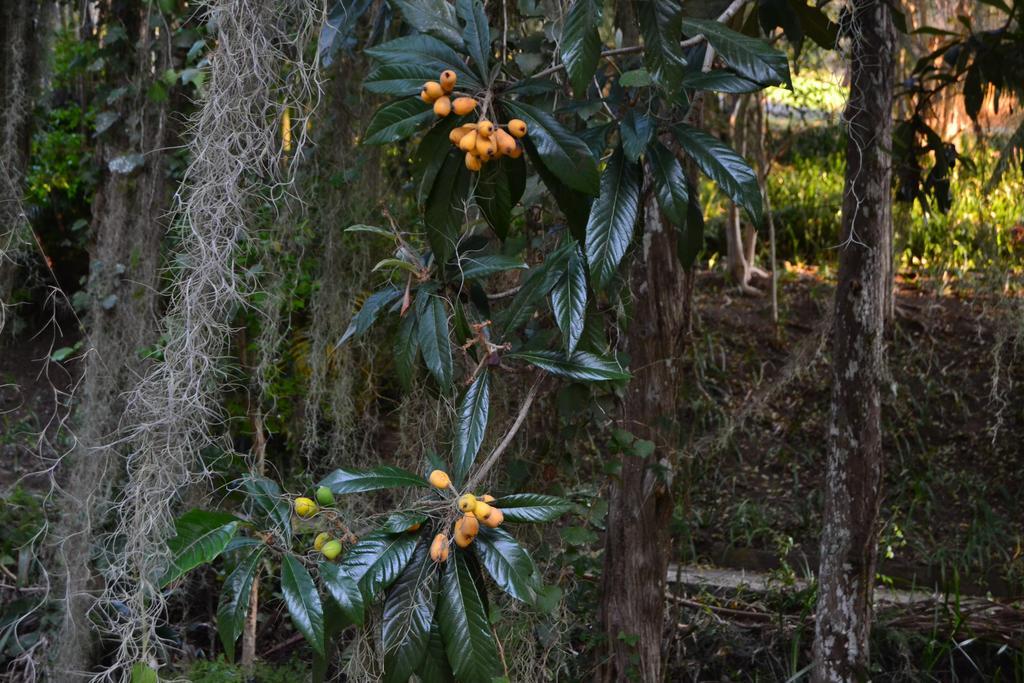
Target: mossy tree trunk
{"x":129,"y":210}
{"x":849,"y":543}
{"x":640,"y":504}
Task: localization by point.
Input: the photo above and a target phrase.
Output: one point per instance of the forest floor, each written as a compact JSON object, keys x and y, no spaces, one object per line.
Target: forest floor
{"x":953,"y":434}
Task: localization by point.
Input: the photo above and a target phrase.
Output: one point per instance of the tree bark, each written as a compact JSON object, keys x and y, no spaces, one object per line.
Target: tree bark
{"x":128,"y":227}
{"x":637,"y":541}
{"x":854,"y":461}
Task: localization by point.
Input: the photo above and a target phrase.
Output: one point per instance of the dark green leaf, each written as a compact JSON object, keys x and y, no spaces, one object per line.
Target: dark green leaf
{"x":479,"y":267}
{"x":690,"y":238}
{"x":774,"y":14}
{"x":432,"y":329}
{"x":200,"y":536}
{"x":377,"y":560}
{"x":581,"y":366}
{"x":720,"y":80}
{"x":508,"y":563}
{"x":399,"y":522}
{"x":427,"y":53}
{"x":581,"y":44}
{"x":407,"y":349}
{"x":660,"y":26}
{"x":637,"y":78}
{"x":367,"y":315}
{"x":816,"y":24}
{"x":973,"y":93}
{"x":397,"y":120}
{"x":669,"y":182}
{"x":535,"y":285}
{"x":464,"y":625}
{"x":727,"y":168}
{"x":342,"y":481}
{"x":532,"y":507}
{"x":435,"y":667}
{"x":752,"y":58}
{"x":433,"y":17}
{"x":431,"y":154}
{"x":472,"y":425}
{"x":399,"y":80}
{"x":564,"y":154}
{"x":637,"y":130}
{"x":266,"y":497}
{"x":569,"y":300}
{"x":408,"y":614}
{"x":575,"y":205}
{"x":234,"y":600}
{"x":303,"y":601}
{"x":339,"y":27}
{"x":495,"y":192}
{"x":344,"y":590}
{"x":613,"y":218}
{"x":477,"y":34}
{"x":445,"y":207}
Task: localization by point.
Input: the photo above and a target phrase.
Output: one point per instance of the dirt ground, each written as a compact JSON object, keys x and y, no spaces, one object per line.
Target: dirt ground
{"x":954,"y":433}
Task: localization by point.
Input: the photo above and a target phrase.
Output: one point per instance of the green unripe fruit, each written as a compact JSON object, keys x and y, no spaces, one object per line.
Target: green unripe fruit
{"x":324,"y":496}
{"x":331,"y":549}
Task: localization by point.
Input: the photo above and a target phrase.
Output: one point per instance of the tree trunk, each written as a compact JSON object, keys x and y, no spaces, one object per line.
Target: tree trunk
{"x":637,"y":542}
{"x":128,"y":227}
{"x":24,"y":29}
{"x":854,"y":461}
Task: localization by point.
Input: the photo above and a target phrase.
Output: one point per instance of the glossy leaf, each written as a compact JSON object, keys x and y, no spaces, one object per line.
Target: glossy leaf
{"x":532,"y":507}
{"x":408,"y":614}
{"x":816,"y":24}
{"x":499,"y":189}
{"x":569,"y":300}
{"x":344,"y":590}
{"x":581,"y":366}
{"x":752,"y":58}
{"x":200,"y":536}
{"x":268,"y":501}
{"x":636,"y":130}
{"x":508,"y":563}
{"x":399,"y":522}
{"x":660,"y":27}
{"x":234,"y":600}
{"x":535,"y":285}
{"x":575,"y":205}
{"x":433,"y":17}
{"x":371,"y":310}
{"x":581,"y":44}
{"x":435,"y":667}
{"x":472,"y":424}
{"x":337,"y":31}
{"x":720,"y":80}
{"x":342,"y":481}
{"x":479,"y":267}
{"x":690,"y":239}
{"x":464,"y":625}
{"x":477,"y":34}
{"x":303,"y":601}
{"x":397,"y":120}
{"x":427,"y":53}
{"x":445,"y":205}
{"x":432,"y":329}
{"x":727,"y":168}
{"x":563,"y":153}
{"x":669,"y":182}
{"x":407,"y":349}
{"x":613,"y":218}
{"x":377,"y":560}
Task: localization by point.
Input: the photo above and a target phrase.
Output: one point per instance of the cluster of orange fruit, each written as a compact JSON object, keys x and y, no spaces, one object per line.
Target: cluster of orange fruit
{"x":482,"y":141}
{"x":475,"y":511}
